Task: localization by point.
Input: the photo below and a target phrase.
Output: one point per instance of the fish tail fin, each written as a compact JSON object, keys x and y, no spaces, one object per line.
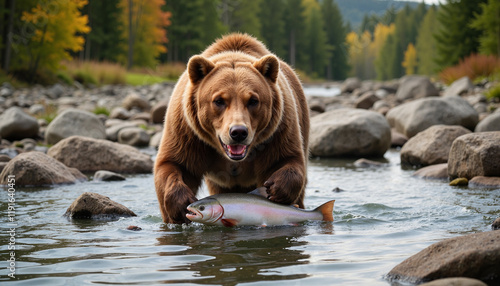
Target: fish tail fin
{"x":326,"y":210}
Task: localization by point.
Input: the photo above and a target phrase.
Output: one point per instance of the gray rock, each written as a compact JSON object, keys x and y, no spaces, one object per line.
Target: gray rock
{"x":485,"y":182}
{"x":366,"y":100}
{"x":112,"y":132}
{"x":38,"y":169}
{"x":104,"y":175}
{"x":415,"y":86}
{"x":36,"y":109}
{"x":365,"y":163}
{"x":74,"y":122}
{"x":349,"y":132}
{"x":133,"y":136}
{"x":317,"y":105}
{"x":459,"y":87}
{"x":133,"y":100}
{"x":433,"y":172}
{"x":158,"y":111}
{"x":398,"y":139}
{"x":55,"y":91}
{"x":496,"y":224}
{"x":476,"y":154}
{"x":474,"y":256}
{"x":456,"y":281}
{"x":96,"y":206}
{"x":156,"y":139}
{"x":119,"y":113}
{"x":91,"y":155}
{"x":350,"y":84}
{"x":416,"y":116}
{"x":490,"y":123}
{"x":16,"y":124}
{"x":431,"y":146}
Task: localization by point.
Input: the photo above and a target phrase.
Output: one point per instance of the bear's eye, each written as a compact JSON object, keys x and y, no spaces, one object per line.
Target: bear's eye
{"x":219,"y":102}
{"x":253,"y":102}
{"x":202,"y":208}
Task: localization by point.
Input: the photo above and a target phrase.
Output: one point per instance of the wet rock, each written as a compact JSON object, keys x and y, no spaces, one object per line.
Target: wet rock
{"x":134,"y":228}
{"x":485,"y":182}
{"x":431,"y":146}
{"x":476,"y":154}
{"x":415,"y":86}
{"x":74,"y":122}
{"x":133,"y":100}
{"x":365,"y":163}
{"x":91,"y":155}
{"x":459,"y":182}
{"x":474,"y":256}
{"x":133,"y":136}
{"x":433,"y":172}
{"x":119,"y":113}
{"x":158,"y":111}
{"x":28,"y":144}
{"x":456,"y":281}
{"x":38,"y":169}
{"x":349,"y":132}
{"x":459,"y":87}
{"x":490,"y":123}
{"x":16,"y":124}
{"x":350,"y":84}
{"x":106,"y":176}
{"x":397,"y":139}
{"x":367,"y":100}
{"x":95,"y":206}
{"x":496,"y":224}
{"x":418,"y":115}
{"x":4,"y":158}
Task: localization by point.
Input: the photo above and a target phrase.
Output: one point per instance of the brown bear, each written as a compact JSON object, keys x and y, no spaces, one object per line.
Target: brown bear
{"x":239,"y":119}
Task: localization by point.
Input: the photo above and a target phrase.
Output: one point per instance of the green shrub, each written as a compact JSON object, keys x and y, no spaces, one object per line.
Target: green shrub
{"x":101,"y":110}
{"x":493,"y":92}
{"x":473,"y":66}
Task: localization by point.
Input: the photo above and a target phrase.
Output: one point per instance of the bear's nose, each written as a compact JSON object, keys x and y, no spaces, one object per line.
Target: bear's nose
{"x":238,"y":133}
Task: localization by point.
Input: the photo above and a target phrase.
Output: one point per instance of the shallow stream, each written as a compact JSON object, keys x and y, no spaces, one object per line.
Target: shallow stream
{"x":382,"y":216}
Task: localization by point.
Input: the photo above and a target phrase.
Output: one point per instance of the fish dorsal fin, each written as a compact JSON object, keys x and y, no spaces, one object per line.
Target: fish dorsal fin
{"x":262,"y":191}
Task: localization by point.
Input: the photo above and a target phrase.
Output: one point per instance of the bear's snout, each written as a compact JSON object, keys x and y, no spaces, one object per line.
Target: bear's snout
{"x":238,"y":133}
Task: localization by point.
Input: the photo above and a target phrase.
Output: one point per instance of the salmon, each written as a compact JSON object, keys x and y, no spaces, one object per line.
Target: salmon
{"x":233,"y":209}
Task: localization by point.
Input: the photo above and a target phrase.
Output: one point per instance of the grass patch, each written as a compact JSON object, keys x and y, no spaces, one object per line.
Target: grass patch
{"x":101,"y":110}
{"x":493,"y":92}
{"x":96,"y":73}
{"x":50,"y":112}
{"x":133,"y":78}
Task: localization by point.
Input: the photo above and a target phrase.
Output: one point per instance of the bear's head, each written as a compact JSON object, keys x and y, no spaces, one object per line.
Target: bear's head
{"x":234,"y":102}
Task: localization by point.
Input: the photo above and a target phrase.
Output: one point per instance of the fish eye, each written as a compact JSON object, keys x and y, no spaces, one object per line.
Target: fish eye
{"x":202,"y":208}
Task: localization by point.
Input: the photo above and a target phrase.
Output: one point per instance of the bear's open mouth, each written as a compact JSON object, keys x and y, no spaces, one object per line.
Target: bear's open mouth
{"x":236,"y":151}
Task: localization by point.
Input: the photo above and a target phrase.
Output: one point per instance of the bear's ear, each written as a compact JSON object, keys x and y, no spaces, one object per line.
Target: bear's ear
{"x":198,"y":68}
{"x":268,"y":66}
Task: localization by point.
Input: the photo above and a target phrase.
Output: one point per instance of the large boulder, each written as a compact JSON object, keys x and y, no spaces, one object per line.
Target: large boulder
{"x":433,"y":172}
{"x":475,"y":256}
{"x":416,"y":116}
{"x":490,"y":123}
{"x":38,"y":169}
{"x":349,"y":132}
{"x":16,"y":124}
{"x":74,"y":122}
{"x":95,"y":206}
{"x":476,"y":154}
{"x":415,"y":86}
{"x":91,"y":155}
{"x":455,"y":281}
{"x":431,"y":146}
{"x":459,"y":87}
{"x":350,"y":84}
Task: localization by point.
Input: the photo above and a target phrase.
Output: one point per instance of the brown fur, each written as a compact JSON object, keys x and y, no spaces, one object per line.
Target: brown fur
{"x":219,"y":90}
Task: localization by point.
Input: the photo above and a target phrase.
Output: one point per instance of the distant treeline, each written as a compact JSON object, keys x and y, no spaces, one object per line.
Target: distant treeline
{"x":38,"y":35}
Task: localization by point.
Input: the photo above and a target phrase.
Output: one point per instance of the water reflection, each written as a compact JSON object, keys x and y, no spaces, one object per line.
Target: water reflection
{"x":243,"y":254}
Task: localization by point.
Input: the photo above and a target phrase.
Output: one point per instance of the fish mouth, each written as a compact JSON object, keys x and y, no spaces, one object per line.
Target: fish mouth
{"x":193,"y":214}
{"x":235,"y":152}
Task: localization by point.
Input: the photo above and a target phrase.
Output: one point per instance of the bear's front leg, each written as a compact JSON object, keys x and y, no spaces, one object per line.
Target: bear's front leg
{"x":286,"y":185}
{"x":173,"y":193}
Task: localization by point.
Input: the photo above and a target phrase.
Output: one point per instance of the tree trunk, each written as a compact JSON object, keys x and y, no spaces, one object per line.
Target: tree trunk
{"x":8,"y":41}
{"x":131,"y":35}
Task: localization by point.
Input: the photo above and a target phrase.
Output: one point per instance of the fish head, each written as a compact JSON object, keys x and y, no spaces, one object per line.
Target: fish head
{"x":207,"y":210}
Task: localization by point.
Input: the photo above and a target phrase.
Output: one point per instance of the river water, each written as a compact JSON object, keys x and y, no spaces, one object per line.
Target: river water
{"x":382,"y":216}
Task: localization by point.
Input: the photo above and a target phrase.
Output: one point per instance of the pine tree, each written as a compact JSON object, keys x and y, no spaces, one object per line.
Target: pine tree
{"x":273,"y":27}
{"x":337,"y":67}
{"x":410,"y":59}
{"x":426,"y":44}
{"x":456,"y":39}
{"x":295,"y":31}
{"x":317,"y":48}
{"x":489,"y":23}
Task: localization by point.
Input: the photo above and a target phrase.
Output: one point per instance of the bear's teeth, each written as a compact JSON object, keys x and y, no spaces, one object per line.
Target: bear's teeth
{"x":236,"y":149}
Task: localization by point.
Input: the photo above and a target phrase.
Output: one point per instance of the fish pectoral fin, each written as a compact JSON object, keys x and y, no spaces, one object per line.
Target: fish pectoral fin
{"x":228,"y":222}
